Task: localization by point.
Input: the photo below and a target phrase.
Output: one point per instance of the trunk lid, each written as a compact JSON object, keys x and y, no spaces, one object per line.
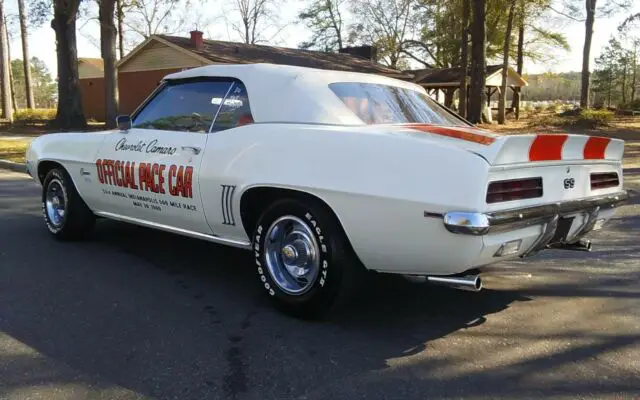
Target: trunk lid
{"x":528,"y":148}
{"x":567,"y":163}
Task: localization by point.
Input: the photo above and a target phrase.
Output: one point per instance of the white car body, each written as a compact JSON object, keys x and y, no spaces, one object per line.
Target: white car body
{"x":392,"y":187}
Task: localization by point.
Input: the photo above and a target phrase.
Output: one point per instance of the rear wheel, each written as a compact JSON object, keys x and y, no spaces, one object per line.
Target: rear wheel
{"x":303,"y":258}
{"x":65,"y":213}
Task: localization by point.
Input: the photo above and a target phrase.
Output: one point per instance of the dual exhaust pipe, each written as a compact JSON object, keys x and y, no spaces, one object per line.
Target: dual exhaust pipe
{"x":471,"y":283}
{"x":580,"y":245}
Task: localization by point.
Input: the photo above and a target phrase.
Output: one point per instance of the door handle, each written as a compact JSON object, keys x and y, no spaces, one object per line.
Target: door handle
{"x":194,"y":150}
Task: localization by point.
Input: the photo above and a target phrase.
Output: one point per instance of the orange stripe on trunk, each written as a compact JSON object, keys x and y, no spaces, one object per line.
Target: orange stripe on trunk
{"x":595,"y":147}
{"x":547,"y":147}
{"x":454,"y":133}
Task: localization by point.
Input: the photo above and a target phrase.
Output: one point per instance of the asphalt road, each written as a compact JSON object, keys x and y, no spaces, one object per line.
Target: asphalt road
{"x":135,"y":313}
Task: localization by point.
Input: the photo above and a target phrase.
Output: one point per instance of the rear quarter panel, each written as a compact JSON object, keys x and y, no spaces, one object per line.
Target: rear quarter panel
{"x":379,"y":185}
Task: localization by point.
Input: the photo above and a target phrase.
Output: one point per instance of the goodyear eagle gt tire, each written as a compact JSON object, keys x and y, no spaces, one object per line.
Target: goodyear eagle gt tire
{"x":65,"y":213}
{"x":303,"y":258}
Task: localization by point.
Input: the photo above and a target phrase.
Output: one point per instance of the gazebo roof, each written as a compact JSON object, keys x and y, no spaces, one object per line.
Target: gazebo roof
{"x":451,"y":77}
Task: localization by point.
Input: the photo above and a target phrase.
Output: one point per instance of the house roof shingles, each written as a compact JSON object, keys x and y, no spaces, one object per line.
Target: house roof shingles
{"x":95,"y":62}
{"x":242,"y":53}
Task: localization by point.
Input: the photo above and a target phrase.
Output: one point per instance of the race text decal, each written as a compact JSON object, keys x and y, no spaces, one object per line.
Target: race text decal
{"x":176,"y":180}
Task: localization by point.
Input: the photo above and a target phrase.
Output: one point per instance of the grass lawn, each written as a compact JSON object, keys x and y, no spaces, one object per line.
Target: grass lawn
{"x":13,"y":149}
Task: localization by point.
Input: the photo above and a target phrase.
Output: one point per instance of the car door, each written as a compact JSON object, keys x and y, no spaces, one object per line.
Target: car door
{"x":219,"y":184}
{"x":151,"y":171}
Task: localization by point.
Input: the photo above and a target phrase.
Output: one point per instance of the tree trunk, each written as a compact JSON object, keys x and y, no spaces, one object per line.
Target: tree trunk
{"x":70,"y":114}
{"x":464,"y":58}
{"x":7,"y":112}
{"x":609,"y":90}
{"x":584,"y":89}
{"x":502,"y":100}
{"x":26,"y":60}
{"x":108,"y":49}
{"x":515,"y":103}
{"x":120,"y":28}
{"x":634,"y":65}
{"x":11,"y":83}
{"x":477,"y":97}
{"x":624,"y":83}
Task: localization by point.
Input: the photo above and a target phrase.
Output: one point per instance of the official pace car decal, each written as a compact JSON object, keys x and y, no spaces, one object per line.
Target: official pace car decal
{"x":174,"y":181}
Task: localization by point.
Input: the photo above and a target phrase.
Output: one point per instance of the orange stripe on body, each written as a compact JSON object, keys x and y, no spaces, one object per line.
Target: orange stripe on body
{"x":453,"y":132}
{"x":595,"y":148}
{"x":547,"y":147}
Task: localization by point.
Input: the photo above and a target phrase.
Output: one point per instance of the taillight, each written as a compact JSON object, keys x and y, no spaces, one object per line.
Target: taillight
{"x":603,"y":180}
{"x":515,"y":189}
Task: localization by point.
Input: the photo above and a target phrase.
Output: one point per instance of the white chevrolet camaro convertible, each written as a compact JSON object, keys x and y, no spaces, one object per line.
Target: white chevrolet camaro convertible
{"x":324,"y":175}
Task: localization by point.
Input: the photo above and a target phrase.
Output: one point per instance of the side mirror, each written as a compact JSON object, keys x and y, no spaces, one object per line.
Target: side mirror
{"x":123,"y":122}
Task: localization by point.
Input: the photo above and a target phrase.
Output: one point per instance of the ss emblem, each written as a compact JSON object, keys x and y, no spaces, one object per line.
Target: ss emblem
{"x":569,"y":183}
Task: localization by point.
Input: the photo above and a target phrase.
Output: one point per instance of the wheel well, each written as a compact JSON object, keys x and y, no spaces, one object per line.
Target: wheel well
{"x":45,"y":166}
{"x":256,"y":200}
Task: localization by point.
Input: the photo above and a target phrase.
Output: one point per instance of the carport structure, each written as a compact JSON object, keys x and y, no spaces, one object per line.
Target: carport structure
{"x":447,"y":81}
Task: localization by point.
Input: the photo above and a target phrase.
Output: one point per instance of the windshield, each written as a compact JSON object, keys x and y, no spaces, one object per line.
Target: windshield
{"x":384,"y":104}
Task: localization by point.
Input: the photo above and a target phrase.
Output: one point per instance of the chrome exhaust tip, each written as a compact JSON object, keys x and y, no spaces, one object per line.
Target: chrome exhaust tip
{"x":471,"y":283}
{"x":581,"y":245}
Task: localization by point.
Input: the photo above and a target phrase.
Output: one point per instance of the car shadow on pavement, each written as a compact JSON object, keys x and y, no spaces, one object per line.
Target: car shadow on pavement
{"x":136,"y":312}
{"x":167,"y":316}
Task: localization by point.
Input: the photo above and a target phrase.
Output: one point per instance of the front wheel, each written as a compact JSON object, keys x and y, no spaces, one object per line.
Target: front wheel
{"x":65,"y":213}
{"x":303,"y":258}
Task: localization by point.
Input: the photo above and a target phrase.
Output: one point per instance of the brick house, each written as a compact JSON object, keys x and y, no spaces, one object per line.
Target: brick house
{"x":144,"y":67}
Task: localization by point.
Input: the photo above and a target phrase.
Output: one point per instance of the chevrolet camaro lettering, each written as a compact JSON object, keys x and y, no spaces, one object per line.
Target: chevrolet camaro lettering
{"x":151,"y":147}
{"x":325,"y":175}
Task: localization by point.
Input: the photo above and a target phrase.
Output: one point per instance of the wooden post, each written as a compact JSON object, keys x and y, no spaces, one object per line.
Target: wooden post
{"x":448,"y":96}
{"x":516,"y":101}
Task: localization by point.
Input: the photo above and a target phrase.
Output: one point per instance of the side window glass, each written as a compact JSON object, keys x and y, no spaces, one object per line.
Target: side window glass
{"x":235,"y":111}
{"x":183,"y":106}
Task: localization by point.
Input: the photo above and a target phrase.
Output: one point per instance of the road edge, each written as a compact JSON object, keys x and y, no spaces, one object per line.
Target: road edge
{"x":13,"y":166}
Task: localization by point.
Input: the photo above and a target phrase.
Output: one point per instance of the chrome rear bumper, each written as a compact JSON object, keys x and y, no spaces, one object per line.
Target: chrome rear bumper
{"x":473,"y":223}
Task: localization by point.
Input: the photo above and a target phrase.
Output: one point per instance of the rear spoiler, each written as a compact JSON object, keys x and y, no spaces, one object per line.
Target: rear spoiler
{"x":518,"y":149}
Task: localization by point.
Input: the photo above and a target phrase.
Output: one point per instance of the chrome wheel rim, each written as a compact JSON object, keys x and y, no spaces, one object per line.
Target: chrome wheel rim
{"x":55,"y":202}
{"x":292,"y":255}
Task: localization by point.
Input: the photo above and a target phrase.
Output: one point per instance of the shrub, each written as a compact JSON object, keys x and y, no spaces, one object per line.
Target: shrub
{"x":632,"y":105}
{"x":34,"y":114}
{"x":594,"y":118}
{"x":576,"y":118}
{"x":549,"y":121}
{"x":552,"y":107}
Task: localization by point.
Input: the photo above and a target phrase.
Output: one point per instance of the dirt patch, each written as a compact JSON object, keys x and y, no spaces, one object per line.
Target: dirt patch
{"x":632,"y":154}
{"x":623,"y":127}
